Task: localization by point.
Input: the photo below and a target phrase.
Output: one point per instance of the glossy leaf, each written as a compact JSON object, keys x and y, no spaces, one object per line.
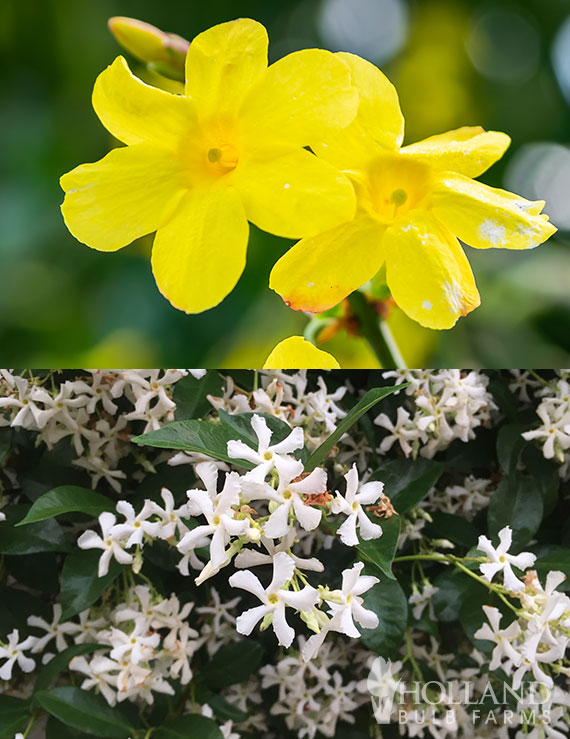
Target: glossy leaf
{"x":67,"y":499}
{"x":191,"y":395}
{"x":369,"y":400}
{"x":380,"y":552}
{"x":408,"y":481}
{"x":80,"y":584}
{"x":389,"y":603}
{"x":231,"y":664}
{"x":193,"y":726}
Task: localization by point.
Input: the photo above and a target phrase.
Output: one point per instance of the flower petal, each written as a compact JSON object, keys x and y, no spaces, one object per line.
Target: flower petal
{"x":291,"y":193}
{"x":277,"y":524}
{"x":319,"y":272}
{"x":246,"y":580}
{"x":283,"y":568}
{"x":297,"y":353}
{"x":133,"y":111}
{"x":299,"y":96}
{"x":301,"y":600}
{"x":486,"y":217}
{"x":248,"y":619}
{"x":198,"y":257}
{"x":308,"y":517}
{"x":262,"y":431}
{"x":125,"y":195}
{"x":284,"y":633}
{"x":379,"y":111}
{"x":469,"y":150}
{"x":223,"y":63}
{"x":427,"y":271}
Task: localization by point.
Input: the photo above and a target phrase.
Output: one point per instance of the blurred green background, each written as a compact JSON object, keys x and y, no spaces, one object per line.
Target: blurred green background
{"x":502,"y":64}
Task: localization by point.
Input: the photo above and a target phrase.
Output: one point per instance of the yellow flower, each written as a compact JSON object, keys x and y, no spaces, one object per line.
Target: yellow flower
{"x":297,"y":353}
{"x":198,"y":166}
{"x":414,"y":203}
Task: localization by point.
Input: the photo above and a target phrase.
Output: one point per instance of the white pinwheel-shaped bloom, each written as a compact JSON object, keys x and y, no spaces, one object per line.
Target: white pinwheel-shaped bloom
{"x":222,"y":524}
{"x":54,"y":630}
{"x":100,"y":673}
{"x":501,"y":560}
{"x":13,"y":653}
{"x":274,"y":599}
{"x":264,"y":457}
{"x":135,"y":525}
{"x":171,"y":517}
{"x":109,"y":543}
{"x":138,"y":644}
{"x":345,"y":609}
{"x":503,"y":638}
{"x":351,"y":505}
{"x":290,"y":495}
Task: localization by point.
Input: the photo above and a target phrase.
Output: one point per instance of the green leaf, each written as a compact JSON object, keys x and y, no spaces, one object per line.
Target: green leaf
{"x":80,"y":584}
{"x":240,"y":426}
{"x":455,"y":528}
{"x":389,"y":603}
{"x":472,"y":616}
{"x":190,"y":395}
{"x":510,"y":445}
{"x":17,"y":605}
{"x":515,"y":503}
{"x":408,"y":481}
{"x":380,"y":552}
{"x":193,"y":726}
{"x":84,"y":710}
{"x":364,"y":404}
{"x":232,"y":663}
{"x":194,"y":436}
{"x":14,"y":715}
{"x":47,"y":536}
{"x":56,"y":730}
{"x":67,"y":499}
{"x":452,"y":587}
{"x":61,"y":662}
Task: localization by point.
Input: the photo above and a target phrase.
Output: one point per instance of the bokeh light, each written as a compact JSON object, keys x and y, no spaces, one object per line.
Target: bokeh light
{"x":561,"y":57}
{"x":374,"y":29}
{"x":503,"y":45}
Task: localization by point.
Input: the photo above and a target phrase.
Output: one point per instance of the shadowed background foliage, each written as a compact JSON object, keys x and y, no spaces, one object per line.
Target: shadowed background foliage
{"x":503,"y":64}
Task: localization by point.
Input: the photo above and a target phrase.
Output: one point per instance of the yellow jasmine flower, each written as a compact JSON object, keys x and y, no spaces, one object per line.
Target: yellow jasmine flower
{"x":297,"y":353}
{"x":414,"y":203}
{"x":197,"y":167}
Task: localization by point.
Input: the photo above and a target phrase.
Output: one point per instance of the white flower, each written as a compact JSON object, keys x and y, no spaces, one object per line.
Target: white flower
{"x":55,"y":630}
{"x":2,"y":516}
{"x":503,"y":638}
{"x":402,"y":431}
{"x":98,"y":671}
{"x":291,"y":494}
{"x":222,"y":524}
{"x":14,"y":652}
{"x":351,"y":506}
{"x":111,"y":547}
{"x":135,"y":526}
{"x":219,"y":610}
{"x":274,"y":599}
{"x":264,"y":457}
{"x":501,"y":560}
{"x":137,"y":645}
{"x":419,"y":600}
{"x":171,"y":517}
{"x":345,"y":608}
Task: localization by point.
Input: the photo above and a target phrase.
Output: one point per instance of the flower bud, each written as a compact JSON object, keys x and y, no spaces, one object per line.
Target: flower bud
{"x":163,"y":52}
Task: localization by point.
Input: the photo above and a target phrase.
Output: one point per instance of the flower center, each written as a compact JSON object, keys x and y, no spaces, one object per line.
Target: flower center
{"x":287,"y":494}
{"x":222,"y":159}
{"x":268,"y":455}
{"x":273,"y":599}
{"x":396,"y":185}
{"x":216,"y":520}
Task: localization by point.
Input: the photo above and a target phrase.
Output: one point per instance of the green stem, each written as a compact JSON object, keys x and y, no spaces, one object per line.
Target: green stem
{"x":376,"y":331}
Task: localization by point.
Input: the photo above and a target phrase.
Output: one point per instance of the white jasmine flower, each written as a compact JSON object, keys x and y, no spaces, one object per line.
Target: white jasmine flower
{"x":291,"y":494}
{"x":274,"y":599}
{"x":108,"y":543}
{"x":345,"y":608}
{"x":502,"y":560}
{"x":351,"y":506}
{"x":251,"y":557}
{"x":98,"y":675}
{"x":222,"y":524}
{"x":503,"y":638}
{"x":54,"y":630}
{"x":135,"y":526}
{"x":264,"y":457}
{"x":13,"y":652}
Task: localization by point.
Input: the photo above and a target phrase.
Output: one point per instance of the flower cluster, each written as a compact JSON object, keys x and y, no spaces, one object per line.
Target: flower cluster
{"x":291,"y":499}
{"x":444,"y":405}
{"x":553,"y":431}
{"x":86,"y":411}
